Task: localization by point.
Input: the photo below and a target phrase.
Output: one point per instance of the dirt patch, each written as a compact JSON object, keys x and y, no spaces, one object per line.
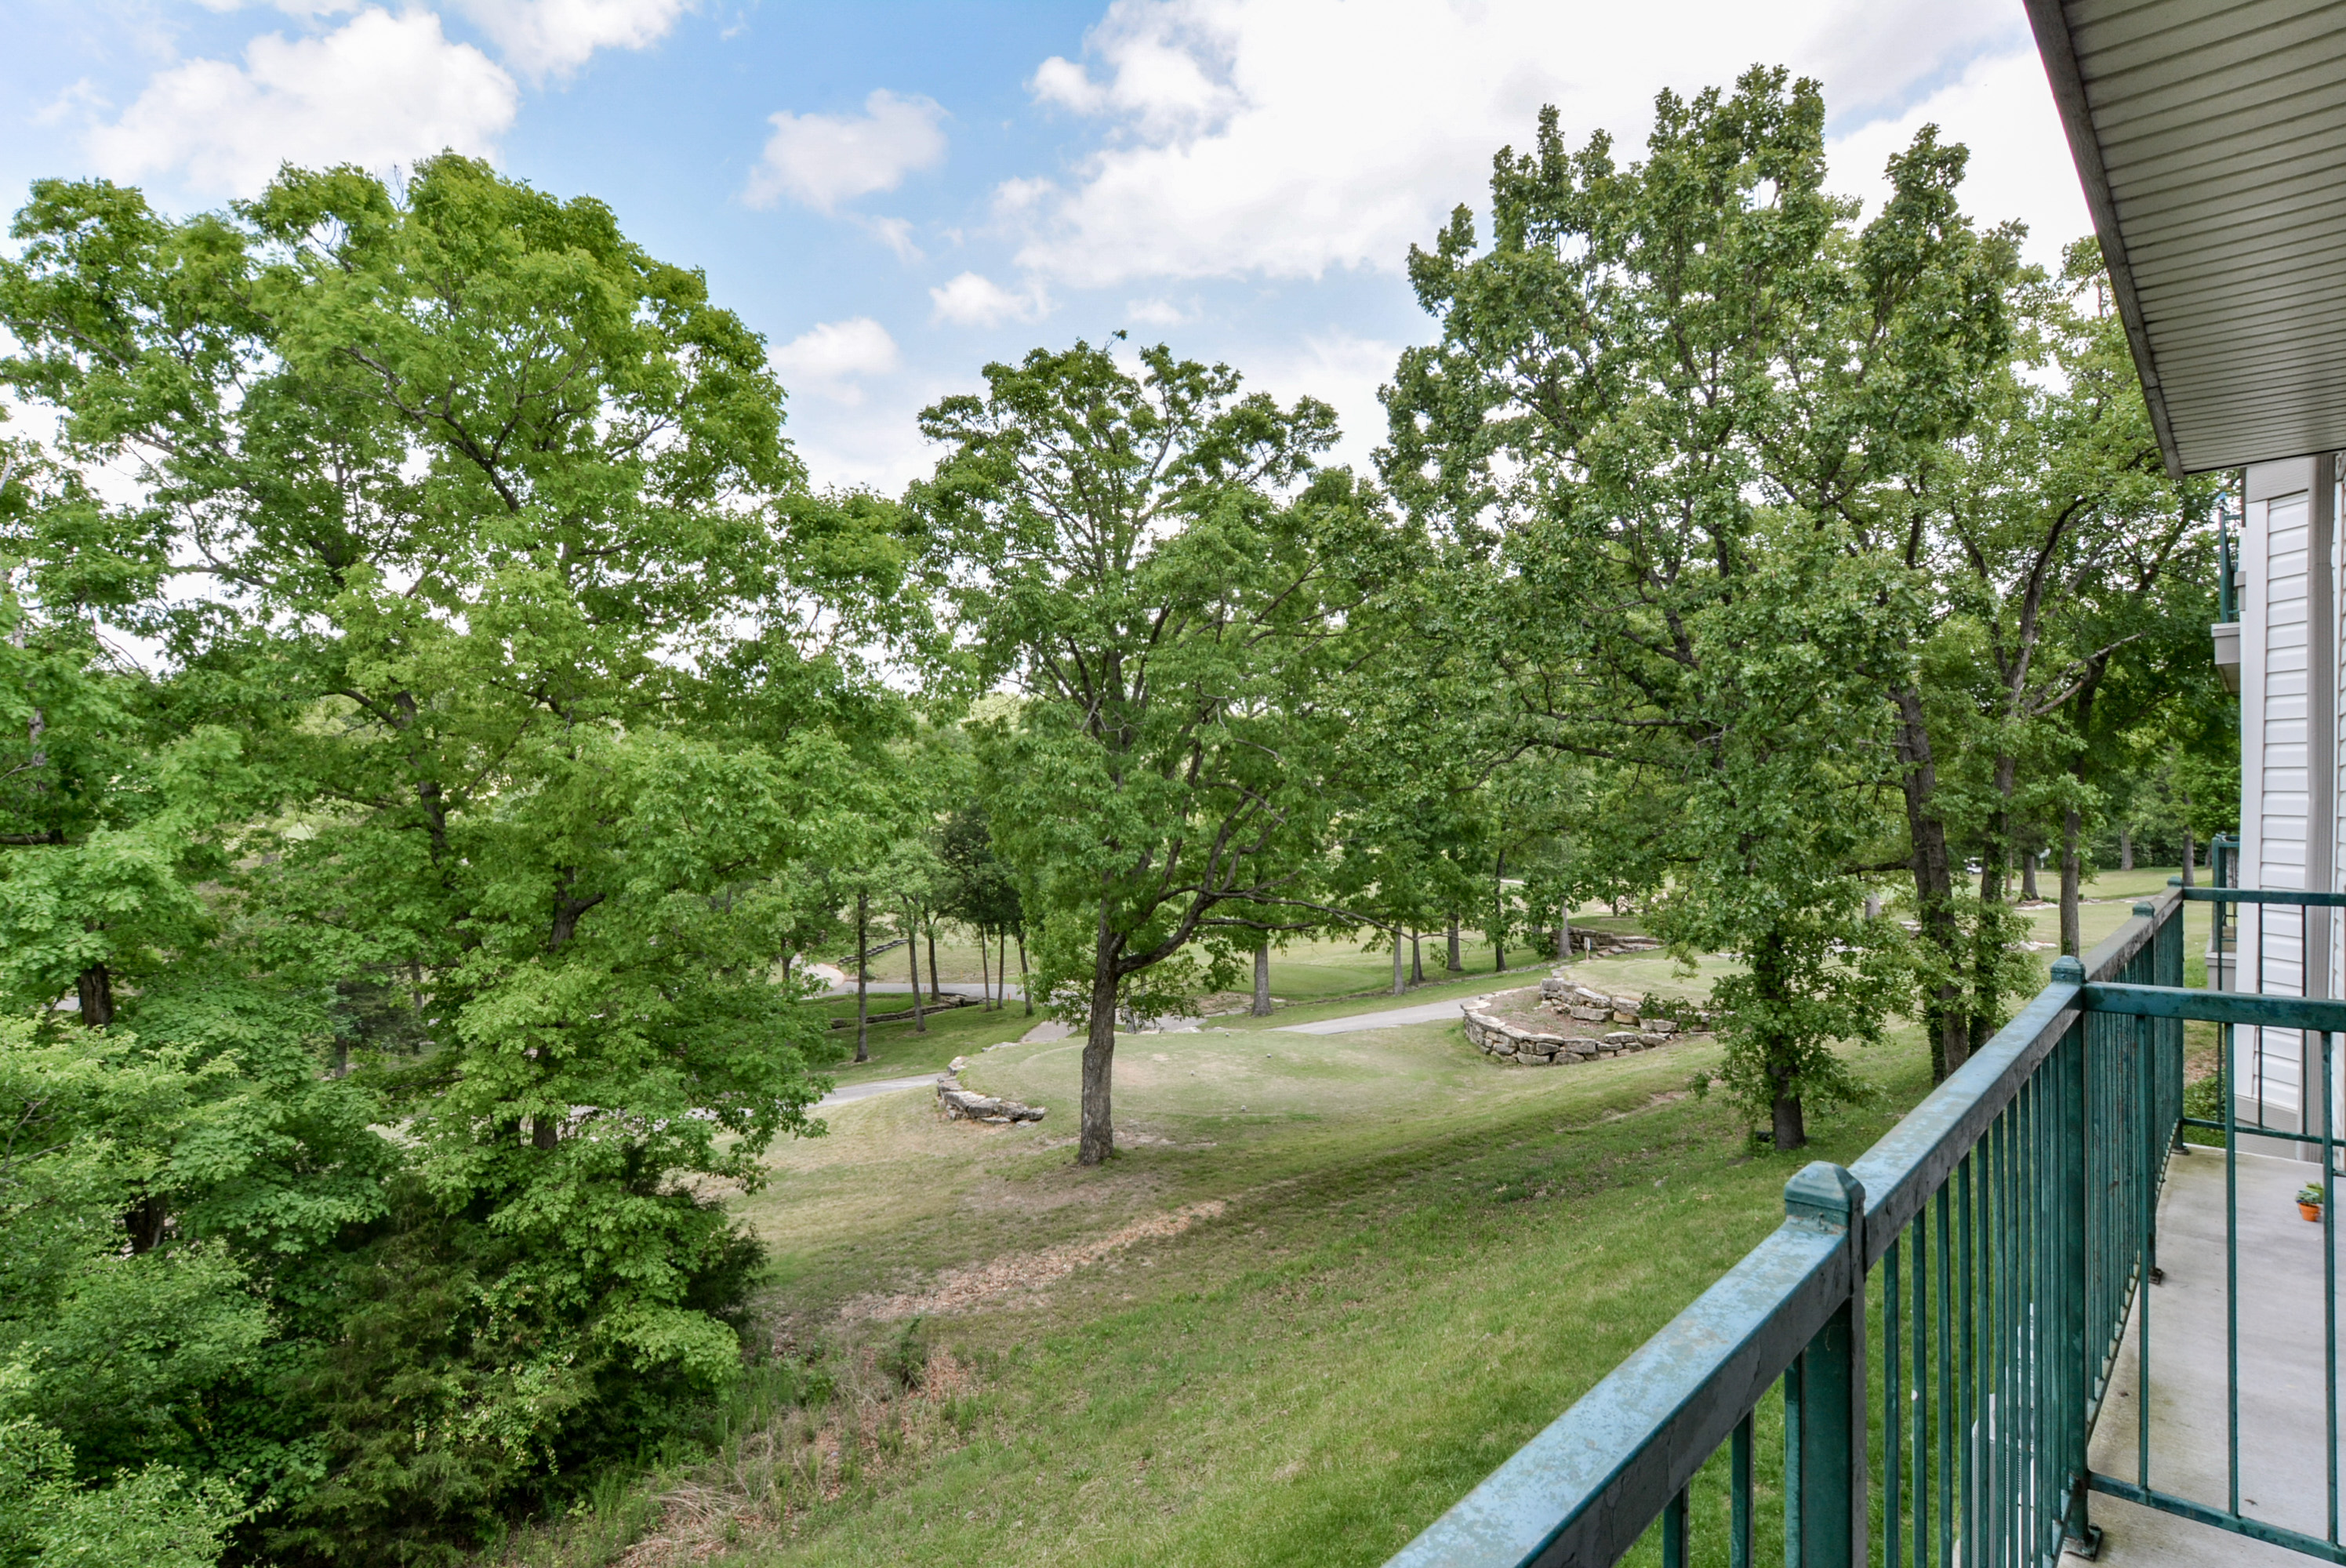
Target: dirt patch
{"x":767,"y":1481}
{"x":1222,"y":1004}
{"x":1023,"y":1275}
{"x":1523,"y":1009}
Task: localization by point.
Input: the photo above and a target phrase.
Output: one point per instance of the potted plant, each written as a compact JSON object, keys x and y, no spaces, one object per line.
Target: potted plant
{"x":2309,"y":1201}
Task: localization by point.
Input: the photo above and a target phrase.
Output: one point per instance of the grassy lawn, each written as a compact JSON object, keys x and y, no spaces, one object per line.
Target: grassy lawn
{"x":1417,"y":1261}
{"x":1329,"y":1282}
{"x":899,"y":1051}
{"x":1364,"y":1267}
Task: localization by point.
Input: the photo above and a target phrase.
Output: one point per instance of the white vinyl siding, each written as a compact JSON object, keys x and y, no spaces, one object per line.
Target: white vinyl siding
{"x":2277,"y":733}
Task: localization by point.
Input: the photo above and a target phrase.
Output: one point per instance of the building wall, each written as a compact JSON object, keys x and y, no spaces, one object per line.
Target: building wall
{"x":2291,"y":787}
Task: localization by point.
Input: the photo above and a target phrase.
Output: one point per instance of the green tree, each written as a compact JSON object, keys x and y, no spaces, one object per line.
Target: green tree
{"x":1666,"y":404}
{"x":518,"y":685}
{"x":979,"y":887}
{"x":1120,"y":549}
{"x":2064,"y":562}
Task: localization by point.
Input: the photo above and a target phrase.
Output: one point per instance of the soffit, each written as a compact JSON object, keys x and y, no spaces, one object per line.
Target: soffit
{"x":2211,"y":139}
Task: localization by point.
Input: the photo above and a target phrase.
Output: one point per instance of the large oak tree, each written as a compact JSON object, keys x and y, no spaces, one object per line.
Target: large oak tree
{"x":1146,"y":557}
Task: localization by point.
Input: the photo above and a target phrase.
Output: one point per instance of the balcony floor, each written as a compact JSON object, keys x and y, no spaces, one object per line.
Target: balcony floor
{"x":2282,"y":1420}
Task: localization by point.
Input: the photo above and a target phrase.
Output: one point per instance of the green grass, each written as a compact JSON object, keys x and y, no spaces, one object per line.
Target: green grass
{"x":1422,"y":1259}
{"x":1403,"y":1260}
{"x":898,"y":1050}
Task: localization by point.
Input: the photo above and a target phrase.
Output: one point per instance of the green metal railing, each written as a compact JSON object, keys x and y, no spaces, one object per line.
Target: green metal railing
{"x":1996,"y":1244}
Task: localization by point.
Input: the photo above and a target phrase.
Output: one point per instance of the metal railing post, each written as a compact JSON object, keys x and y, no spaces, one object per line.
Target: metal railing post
{"x":1825,"y":1408}
{"x":2073,"y":1380}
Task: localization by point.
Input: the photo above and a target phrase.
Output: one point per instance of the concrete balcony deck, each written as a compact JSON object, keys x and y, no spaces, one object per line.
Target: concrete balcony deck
{"x":2283,"y":1423}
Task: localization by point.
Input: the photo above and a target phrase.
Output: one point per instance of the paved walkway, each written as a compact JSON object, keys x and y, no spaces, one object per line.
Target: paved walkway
{"x":842,"y":1096}
{"x":2282,"y":1438}
{"x":1391,"y":1018}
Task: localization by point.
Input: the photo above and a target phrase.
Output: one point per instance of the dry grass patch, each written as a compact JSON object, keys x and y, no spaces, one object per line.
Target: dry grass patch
{"x":1022,"y":1277}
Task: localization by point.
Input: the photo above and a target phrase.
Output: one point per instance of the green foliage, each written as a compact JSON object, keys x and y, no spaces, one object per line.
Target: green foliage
{"x":150,"y":1517}
{"x":905,"y":1357}
{"x":475,"y":798}
{"x":1668,"y":410}
{"x":1150,"y":562}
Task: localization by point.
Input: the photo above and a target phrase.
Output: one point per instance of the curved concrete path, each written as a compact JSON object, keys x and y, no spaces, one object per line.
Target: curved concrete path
{"x":1391,"y":1018}
{"x":842,"y":1096}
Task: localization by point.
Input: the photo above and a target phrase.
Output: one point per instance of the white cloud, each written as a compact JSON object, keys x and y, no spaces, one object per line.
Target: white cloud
{"x":877,"y":443}
{"x":2001,"y":109}
{"x":381,"y":89}
{"x":1065,"y":82}
{"x":1283,"y":138}
{"x":81,"y":98}
{"x":536,"y":37}
{"x":544,"y":37}
{"x":974,"y":300}
{"x":824,"y":159}
{"x":1342,"y":370}
{"x":1157,"y":313}
{"x":897,"y":234}
{"x":291,"y":7}
{"x":831,"y":358}
{"x":1013,"y":196}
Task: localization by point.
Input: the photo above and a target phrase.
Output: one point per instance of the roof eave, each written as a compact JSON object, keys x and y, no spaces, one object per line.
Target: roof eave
{"x":2059,"y":51}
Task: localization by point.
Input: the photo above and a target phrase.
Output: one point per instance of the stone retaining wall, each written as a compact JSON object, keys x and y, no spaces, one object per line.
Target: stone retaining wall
{"x":965,"y":1105}
{"x":1579,"y":1035}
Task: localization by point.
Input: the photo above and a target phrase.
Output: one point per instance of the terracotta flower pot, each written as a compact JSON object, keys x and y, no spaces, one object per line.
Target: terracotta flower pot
{"x":2312,"y":1211}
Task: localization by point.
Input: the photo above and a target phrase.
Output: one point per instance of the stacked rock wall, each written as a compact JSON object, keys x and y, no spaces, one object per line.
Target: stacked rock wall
{"x":961,"y":1105}
{"x":1581,"y":1033}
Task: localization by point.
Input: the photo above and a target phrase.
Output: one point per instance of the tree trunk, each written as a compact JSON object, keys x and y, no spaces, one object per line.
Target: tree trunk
{"x":1261,"y":1008}
{"x":1416,"y":960}
{"x":1996,"y":864}
{"x":1455,"y":967}
{"x":936,"y":991}
{"x":545,"y":1132}
{"x":1401,"y":975}
{"x":2126,"y":848}
{"x":1945,"y":1019}
{"x":146,"y":1222}
{"x":1098,"y":1133}
{"x":1564,"y":931}
{"x":1787,"y":1122}
{"x":862,"y":978}
{"x":1499,"y":916}
{"x":985,"y":979}
{"x":2191,"y":853}
{"x":2072,"y":860}
{"x":912,"y":951}
{"x":1002,"y":969}
{"x":2028,"y":892}
{"x":2072,"y":940}
{"x":1025,"y":990}
{"x":94,"y":990}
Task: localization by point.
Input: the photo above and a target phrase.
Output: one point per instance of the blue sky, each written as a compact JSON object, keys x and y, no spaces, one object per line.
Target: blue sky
{"x":895,"y":193}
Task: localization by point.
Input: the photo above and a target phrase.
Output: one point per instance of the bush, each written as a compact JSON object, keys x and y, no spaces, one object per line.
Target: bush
{"x":906,"y":1357}
{"x":443,"y":1414}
